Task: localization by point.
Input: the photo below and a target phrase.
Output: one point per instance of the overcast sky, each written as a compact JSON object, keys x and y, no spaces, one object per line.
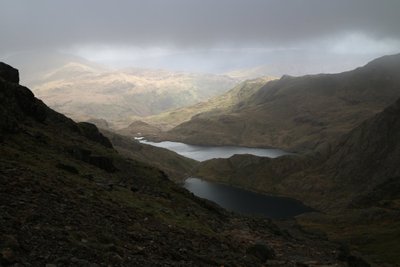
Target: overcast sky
{"x":206,"y":35}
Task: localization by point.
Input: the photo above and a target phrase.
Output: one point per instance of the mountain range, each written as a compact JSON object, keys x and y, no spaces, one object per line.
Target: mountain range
{"x":353,"y":179}
{"x":85,"y":90}
{"x":296,"y":113}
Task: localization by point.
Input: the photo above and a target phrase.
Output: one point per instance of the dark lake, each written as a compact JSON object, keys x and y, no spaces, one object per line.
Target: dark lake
{"x":246,"y":202}
{"x":229,"y":197}
{"x":202,"y":153}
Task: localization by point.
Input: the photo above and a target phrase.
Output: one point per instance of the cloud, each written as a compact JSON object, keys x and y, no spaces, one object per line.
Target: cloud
{"x":202,"y":34}
{"x":190,"y":23}
{"x":356,"y":43}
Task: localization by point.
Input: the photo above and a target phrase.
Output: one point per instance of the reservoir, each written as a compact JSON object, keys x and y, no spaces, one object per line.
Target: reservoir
{"x":244,"y":201}
{"x":202,"y":153}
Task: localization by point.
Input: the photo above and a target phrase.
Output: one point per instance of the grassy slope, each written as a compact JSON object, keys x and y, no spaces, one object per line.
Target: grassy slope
{"x":170,"y":119}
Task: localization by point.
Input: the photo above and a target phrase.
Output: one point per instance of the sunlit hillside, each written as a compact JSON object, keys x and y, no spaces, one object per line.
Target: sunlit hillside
{"x":84,"y":91}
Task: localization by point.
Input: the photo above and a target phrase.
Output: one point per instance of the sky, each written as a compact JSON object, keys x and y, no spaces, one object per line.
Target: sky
{"x":286,"y":36}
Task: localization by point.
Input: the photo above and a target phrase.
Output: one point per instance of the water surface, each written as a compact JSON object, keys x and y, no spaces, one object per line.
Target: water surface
{"x":229,"y":197}
{"x":244,"y":201}
{"x":202,"y":153}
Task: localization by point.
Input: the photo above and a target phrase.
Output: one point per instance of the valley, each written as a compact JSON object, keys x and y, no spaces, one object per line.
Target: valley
{"x":65,"y":184}
{"x":351,"y":175}
{"x":329,"y":179}
{"x":224,"y":133}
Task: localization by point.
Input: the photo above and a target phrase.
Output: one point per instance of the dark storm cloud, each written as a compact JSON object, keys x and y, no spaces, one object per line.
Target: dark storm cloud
{"x":188,"y":23}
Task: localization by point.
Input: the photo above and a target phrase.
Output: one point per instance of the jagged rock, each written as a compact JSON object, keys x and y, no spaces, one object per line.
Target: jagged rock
{"x":9,"y":73}
{"x":18,"y":102}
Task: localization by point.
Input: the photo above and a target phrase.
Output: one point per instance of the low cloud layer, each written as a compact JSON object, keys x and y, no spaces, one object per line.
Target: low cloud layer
{"x":340,"y":26}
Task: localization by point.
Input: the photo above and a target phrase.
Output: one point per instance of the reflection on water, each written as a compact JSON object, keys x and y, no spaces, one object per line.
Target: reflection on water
{"x":245,"y":202}
{"x":202,"y":153}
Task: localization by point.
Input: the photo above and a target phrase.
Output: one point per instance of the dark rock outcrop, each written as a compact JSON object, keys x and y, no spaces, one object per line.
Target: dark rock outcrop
{"x":30,"y":105}
{"x":9,"y":73}
{"x":18,"y":103}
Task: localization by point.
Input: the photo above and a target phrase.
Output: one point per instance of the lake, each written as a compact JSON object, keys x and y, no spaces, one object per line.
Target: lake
{"x":202,"y":153}
{"x":244,"y":201}
{"x":229,"y":197}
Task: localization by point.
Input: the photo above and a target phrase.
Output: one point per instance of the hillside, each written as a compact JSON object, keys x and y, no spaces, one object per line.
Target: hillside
{"x":354,"y":180}
{"x":69,"y":199}
{"x":84,"y":91}
{"x":174,"y":165}
{"x":153,"y":127}
{"x":298,"y":113}
{"x":353,"y":167}
{"x":169,"y":119}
